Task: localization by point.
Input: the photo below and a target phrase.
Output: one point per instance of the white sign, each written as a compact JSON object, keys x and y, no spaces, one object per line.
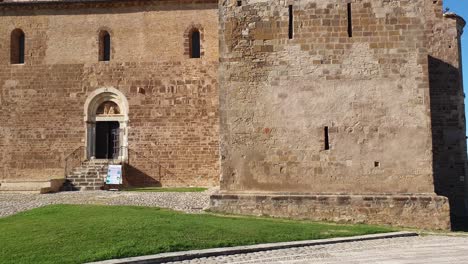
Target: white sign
{"x":114,"y":175}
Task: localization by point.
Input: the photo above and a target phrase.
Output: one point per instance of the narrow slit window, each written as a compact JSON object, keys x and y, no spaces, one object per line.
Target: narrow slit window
{"x":104,"y":46}
{"x":350,"y":21}
{"x":17,"y":47}
{"x":195,"y":44}
{"x":327,"y":139}
{"x":291,"y":22}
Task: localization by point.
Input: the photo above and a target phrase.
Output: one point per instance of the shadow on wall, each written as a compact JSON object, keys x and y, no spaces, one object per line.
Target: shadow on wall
{"x":459,"y":223}
{"x":448,"y":137}
{"x":142,"y":171}
{"x":137,"y":178}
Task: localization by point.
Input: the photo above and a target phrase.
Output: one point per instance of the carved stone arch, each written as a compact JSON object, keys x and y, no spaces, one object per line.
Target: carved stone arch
{"x":188,"y":36}
{"x":92,"y":104}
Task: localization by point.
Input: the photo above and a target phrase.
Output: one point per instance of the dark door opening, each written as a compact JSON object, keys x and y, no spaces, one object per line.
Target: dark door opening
{"x":107,"y":140}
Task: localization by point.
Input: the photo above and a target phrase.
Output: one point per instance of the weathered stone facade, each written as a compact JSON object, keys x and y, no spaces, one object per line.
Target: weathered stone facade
{"x":346,"y":110}
{"x":395,"y":210}
{"x":448,"y":109}
{"x":172,"y":99}
{"x":344,"y":105}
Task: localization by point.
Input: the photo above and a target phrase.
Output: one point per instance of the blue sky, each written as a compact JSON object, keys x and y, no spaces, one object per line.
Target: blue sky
{"x":460,"y":7}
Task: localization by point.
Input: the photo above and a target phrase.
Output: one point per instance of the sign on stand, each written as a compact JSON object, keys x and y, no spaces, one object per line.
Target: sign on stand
{"x":114,"y":175}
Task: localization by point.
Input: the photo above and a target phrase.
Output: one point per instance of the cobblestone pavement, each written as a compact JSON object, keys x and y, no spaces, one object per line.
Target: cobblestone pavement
{"x":186,"y":202}
{"x":413,"y":250}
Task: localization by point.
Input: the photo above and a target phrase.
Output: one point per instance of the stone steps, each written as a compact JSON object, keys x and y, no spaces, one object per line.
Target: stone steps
{"x":69,"y":188}
{"x":89,"y":176}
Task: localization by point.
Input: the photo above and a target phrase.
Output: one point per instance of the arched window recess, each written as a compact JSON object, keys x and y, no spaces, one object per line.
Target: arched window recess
{"x":104,"y":46}
{"x":195,"y":44}
{"x":17,"y":46}
{"x":194,"y":36}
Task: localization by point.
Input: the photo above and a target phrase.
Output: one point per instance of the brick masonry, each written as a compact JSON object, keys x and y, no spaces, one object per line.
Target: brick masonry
{"x":448,"y":109}
{"x":395,"y":210}
{"x":173,"y":100}
{"x":363,"y":99}
{"x":389,"y":97}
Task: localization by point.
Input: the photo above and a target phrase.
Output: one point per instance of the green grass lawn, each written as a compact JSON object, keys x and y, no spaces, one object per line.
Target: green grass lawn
{"x":160,"y":189}
{"x":83,"y":233}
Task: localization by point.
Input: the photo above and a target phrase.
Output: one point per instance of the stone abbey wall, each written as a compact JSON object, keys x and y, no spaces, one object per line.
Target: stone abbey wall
{"x":394,"y":210}
{"x":343,"y":104}
{"x":448,"y":108}
{"x":371,"y":90}
{"x":327,"y":109}
{"x":173,"y":100}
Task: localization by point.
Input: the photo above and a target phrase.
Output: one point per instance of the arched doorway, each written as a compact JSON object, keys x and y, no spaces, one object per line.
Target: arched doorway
{"x":106,"y":117}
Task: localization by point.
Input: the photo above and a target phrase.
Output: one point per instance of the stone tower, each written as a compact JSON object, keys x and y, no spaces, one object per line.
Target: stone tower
{"x":342,"y":110}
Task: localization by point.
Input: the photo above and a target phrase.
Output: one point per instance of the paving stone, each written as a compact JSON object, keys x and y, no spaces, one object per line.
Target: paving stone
{"x":408,"y":250}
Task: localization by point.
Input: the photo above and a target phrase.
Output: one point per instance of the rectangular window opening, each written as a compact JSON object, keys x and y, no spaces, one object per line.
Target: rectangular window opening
{"x":239,"y":3}
{"x":21,"y":49}
{"x":327,"y":139}
{"x":291,"y":22}
{"x":107,"y":48}
{"x":350,"y":21}
{"x":195,"y":45}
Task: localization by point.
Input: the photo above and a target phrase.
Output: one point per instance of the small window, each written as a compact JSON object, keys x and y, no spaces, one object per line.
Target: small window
{"x":291,"y":22}
{"x":104,"y":46}
{"x":350,"y":21}
{"x":326,"y":138}
{"x":17,"y":46}
{"x":195,"y":44}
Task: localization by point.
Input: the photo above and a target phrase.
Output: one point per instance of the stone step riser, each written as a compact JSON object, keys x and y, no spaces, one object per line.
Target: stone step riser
{"x":87,"y":172}
{"x":76,"y":173}
{"x":86,"y":181}
{"x":85,"y":178}
{"x":89,"y":176}
{"x":89,"y":168}
{"x":92,"y":166}
{"x":81,"y":169}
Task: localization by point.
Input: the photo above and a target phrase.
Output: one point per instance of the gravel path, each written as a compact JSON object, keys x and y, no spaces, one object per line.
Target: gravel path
{"x":187,"y":202}
{"x":413,"y":250}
